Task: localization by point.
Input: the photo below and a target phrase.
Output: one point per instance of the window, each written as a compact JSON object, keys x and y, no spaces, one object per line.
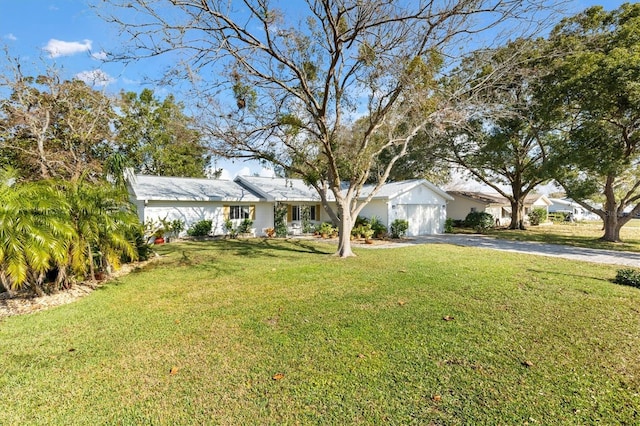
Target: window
{"x":473,"y":210}
{"x":298,"y":212}
{"x":239,"y":212}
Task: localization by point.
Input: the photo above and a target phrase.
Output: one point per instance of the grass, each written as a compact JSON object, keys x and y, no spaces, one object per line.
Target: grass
{"x":582,"y":234}
{"x":199,"y":338}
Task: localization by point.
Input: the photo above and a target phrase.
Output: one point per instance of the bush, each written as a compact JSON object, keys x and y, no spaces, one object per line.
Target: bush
{"x":245,"y":226}
{"x":479,"y":221}
{"x":399,"y":228}
{"x":448,"y":226}
{"x":628,"y":277}
{"x":537,"y":216}
{"x":379,"y":229}
{"x":326,"y":229}
{"x":200,"y":228}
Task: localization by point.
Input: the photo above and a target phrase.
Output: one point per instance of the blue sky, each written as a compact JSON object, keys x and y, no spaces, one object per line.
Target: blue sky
{"x":67,"y":34}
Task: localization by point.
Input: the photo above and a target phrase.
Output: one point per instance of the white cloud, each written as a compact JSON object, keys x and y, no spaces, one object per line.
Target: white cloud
{"x":100,"y":56}
{"x":10,"y":36}
{"x":57,"y":48}
{"x":95,"y":78}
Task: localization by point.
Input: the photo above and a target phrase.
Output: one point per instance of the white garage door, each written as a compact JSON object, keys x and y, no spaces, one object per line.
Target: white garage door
{"x":423,"y":218}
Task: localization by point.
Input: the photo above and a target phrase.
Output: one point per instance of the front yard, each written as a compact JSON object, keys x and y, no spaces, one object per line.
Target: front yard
{"x":275,"y":332}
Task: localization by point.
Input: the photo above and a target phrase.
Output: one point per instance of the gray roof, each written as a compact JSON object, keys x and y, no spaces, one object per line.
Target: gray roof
{"x":393,"y":189}
{"x":163,"y":188}
{"x":482,"y":197}
{"x":252,"y":189}
{"x":279,"y":189}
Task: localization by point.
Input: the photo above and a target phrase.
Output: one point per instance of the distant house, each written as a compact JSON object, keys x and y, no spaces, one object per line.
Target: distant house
{"x":465,"y":202}
{"x":420,"y":202}
{"x":568,"y":206}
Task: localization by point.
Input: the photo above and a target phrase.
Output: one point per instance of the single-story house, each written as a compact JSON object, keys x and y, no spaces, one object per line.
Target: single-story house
{"x":465,"y":202}
{"x":569,"y":206}
{"x":189,"y":199}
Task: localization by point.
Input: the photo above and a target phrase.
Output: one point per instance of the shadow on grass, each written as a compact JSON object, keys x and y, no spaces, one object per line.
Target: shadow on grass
{"x":567,"y":274}
{"x":259,"y":246}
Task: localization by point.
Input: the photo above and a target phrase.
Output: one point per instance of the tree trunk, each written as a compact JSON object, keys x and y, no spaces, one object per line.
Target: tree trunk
{"x":517,"y":214}
{"x":344,"y":232}
{"x":611,"y":229}
{"x":611,"y":222}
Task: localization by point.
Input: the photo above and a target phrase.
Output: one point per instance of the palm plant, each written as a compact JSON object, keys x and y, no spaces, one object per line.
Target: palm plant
{"x":34,"y":232}
{"x":103,"y":220}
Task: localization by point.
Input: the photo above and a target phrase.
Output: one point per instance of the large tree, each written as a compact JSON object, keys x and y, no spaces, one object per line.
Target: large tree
{"x":593,"y":92}
{"x":504,"y":141}
{"x":51,"y":127}
{"x":300,"y":77}
{"x":156,"y":136}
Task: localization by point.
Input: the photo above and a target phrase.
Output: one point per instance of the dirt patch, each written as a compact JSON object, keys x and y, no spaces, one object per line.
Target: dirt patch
{"x":20,"y":303}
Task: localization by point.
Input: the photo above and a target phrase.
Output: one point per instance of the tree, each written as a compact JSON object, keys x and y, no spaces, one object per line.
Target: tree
{"x":293,"y":91}
{"x":594,"y":95}
{"x":157,"y":138}
{"x":504,"y":142}
{"x":53,"y":128}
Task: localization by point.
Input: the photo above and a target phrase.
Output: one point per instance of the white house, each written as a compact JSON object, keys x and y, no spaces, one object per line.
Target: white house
{"x":568,"y":206}
{"x":418,"y":201}
{"x":498,"y":206}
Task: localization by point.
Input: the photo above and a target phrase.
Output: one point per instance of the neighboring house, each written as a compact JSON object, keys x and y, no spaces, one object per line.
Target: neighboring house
{"x":568,"y":206}
{"x":188,"y":199}
{"x":498,"y":206}
{"x":465,"y":202}
{"x":536,"y":201}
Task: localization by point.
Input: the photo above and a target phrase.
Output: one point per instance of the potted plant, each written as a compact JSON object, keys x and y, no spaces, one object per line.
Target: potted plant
{"x":159,"y":236}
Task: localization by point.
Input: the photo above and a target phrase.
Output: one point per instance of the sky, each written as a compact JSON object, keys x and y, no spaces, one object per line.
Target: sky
{"x":68,"y":35}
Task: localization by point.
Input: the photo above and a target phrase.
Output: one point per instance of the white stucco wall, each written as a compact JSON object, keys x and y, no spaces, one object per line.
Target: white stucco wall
{"x":460,"y":207}
{"x":378,"y":208}
{"x":187,"y":211}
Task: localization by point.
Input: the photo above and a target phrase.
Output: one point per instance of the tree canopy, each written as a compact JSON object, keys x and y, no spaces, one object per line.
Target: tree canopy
{"x":593,"y":94}
{"x":156,"y":137}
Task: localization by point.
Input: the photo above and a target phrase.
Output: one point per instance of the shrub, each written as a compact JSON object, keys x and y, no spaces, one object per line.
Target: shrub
{"x":479,"y":221}
{"x":537,"y":216}
{"x":379,"y":229}
{"x":200,"y":228}
{"x":399,"y":228}
{"x":326,"y":229}
{"x":245,"y":226}
{"x":448,"y":226}
{"x":628,"y":277}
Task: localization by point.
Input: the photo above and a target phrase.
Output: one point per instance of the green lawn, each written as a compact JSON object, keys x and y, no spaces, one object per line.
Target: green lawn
{"x":199,"y":337}
{"x":583,"y":234}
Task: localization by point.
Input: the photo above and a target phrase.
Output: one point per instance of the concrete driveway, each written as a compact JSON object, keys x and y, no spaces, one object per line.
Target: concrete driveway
{"x":612,"y":257}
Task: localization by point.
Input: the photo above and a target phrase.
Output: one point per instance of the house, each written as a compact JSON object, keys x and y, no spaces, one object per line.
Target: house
{"x":465,"y":202}
{"x":251,"y":197}
{"x":499,"y":207}
{"x":568,"y":206}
